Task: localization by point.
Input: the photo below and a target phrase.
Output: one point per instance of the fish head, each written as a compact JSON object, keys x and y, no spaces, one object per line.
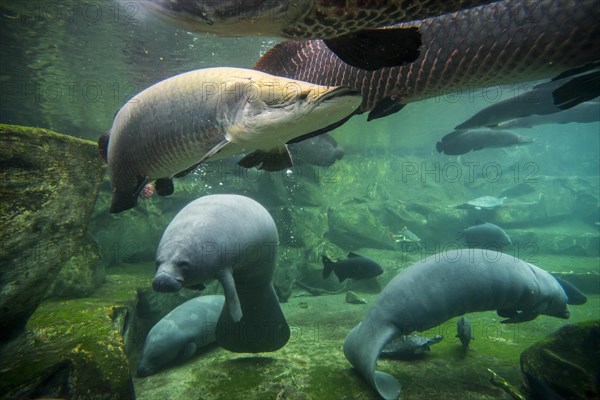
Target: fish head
{"x":228,"y":17}
{"x":275,"y":110}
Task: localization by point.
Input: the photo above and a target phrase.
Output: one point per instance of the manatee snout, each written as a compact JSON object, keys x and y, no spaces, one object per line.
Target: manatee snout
{"x":144,"y":371}
{"x":164,"y":282}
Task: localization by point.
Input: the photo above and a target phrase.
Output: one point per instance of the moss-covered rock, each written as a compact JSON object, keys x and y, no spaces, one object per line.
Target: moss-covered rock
{"x":81,"y":274}
{"x":75,"y":348}
{"x":49,"y":183}
{"x":566,"y":362}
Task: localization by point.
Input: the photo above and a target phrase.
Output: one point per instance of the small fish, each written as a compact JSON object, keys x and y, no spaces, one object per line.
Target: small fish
{"x":464,"y":331}
{"x":483,"y":203}
{"x":320,"y":151}
{"x":485,"y":234}
{"x":354,"y":267}
{"x":462,"y":142}
{"x":347,"y":27}
{"x":352,"y":298}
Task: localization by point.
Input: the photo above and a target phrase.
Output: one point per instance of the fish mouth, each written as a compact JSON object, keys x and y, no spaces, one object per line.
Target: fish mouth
{"x":336,"y":93}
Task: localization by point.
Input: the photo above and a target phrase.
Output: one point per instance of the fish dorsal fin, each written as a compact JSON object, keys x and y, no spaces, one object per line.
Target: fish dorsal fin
{"x":578,"y":70}
{"x":353,"y":255}
{"x":384,"y":108}
{"x":577,"y":90}
{"x":372,"y":49}
{"x":276,"y":61}
{"x":213,"y":151}
{"x":273,"y":160}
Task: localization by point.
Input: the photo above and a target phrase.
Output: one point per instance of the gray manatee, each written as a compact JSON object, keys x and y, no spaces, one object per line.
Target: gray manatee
{"x":232,"y":239}
{"x":177,"y":337}
{"x":444,"y":286}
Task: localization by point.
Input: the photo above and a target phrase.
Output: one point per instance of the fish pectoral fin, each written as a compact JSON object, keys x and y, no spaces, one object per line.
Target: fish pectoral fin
{"x":373,"y":49}
{"x":384,"y":108}
{"x":164,"y":186}
{"x":273,"y":160}
{"x":208,"y":155}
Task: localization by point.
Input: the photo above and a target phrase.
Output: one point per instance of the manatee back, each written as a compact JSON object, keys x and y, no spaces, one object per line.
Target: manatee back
{"x":223,"y":230}
{"x":191,"y":322}
{"x":457,"y":282}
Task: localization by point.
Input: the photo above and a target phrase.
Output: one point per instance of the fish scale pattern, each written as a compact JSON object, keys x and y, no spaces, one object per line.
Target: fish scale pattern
{"x":500,"y":43}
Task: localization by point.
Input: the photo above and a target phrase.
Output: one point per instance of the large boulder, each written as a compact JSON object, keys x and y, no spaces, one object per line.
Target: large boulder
{"x":49,"y":183}
{"x":566,"y":363}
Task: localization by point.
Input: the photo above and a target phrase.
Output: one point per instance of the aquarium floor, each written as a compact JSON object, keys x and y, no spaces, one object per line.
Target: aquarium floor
{"x":312,"y":365}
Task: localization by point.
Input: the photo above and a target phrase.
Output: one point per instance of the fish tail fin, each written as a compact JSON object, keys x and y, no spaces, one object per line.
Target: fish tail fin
{"x":103,"y":145}
{"x":327,"y":266}
{"x":439,"y":146}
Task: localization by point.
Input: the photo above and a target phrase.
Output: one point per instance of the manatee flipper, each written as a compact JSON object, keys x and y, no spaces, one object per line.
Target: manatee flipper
{"x":263,"y":326}
{"x":232,"y":302}
{"x":523,"y":316}
{"x":574,"y":295}
{"x":362,"y":347}
{"x":188,"y":351}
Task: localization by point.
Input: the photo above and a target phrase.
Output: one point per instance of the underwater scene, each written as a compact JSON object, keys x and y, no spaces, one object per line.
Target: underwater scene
{"x":301,"y":200}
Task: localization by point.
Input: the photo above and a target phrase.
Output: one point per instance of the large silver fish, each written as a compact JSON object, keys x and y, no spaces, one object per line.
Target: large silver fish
{"x":209,"y":114}
{"x":348,"y":26}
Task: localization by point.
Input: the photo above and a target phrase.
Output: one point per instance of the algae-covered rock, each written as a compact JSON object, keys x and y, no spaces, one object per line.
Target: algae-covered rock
{"x":81,"y":274}
{"x":566,"y":362}
{"x":49,"y":183}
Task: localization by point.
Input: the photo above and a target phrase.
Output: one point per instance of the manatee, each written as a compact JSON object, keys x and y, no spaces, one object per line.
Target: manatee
{"x":464,"y":331}
{"x":232,"y":239}
{"x":486,"y":235}
{"x":409,"y":346}
{"x":444,"y":286}
{"x":178,"y":336}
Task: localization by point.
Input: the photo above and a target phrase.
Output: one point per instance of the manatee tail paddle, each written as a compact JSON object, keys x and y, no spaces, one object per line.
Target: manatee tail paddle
{"x":362,"y":347}
{"x":262,"y":328}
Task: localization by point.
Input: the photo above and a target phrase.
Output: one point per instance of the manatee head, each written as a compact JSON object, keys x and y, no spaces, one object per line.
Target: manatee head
{"x":555,"y":299}
{"x":160,"y":348}
{"x":184,"y":259}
